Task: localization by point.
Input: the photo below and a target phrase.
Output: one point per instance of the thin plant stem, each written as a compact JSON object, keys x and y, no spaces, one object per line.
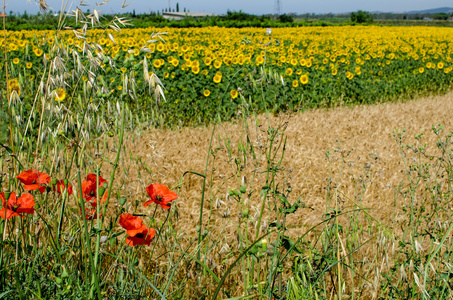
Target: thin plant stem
{"x":200,"y":232}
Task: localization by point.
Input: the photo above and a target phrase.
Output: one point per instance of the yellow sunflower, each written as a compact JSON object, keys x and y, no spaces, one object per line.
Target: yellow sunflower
{"x":61,"y":94}
{"x":206,"y":93}
{"x":38,"y":52}
{"x":289,"y":72}
{"x":156,"y":63}
{"x":234,"y":94}
{"x":259,"y":60}
{"x":304,"y":79}
{"x":217,"y":64}
{"x":349,"y":75}
{"x":217,"y":78}
{"x":14,"y":87}
{"x":195,"y":70}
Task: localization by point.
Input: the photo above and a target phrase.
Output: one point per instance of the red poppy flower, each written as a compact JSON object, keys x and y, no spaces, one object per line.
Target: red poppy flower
{"x":34,"y":180}
{"x":15,"y":207}
{"x":138,"y":233}
{"x":131,"y":223}
{"x":160,"y":194}
{"x":90,"y":187}
{"x":60,"y":187}
{"x":143,"y":238}
{"x":90,"y":213}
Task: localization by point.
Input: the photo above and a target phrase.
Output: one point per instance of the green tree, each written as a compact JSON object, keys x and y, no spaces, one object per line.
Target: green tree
{"x":440,"y":16}
{"x":361,"y":17}
{"x":286,"y":18}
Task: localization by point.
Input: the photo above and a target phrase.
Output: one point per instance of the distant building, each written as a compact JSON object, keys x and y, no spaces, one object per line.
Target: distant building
{"x":2,"y":15}
{"x":181,"y":15}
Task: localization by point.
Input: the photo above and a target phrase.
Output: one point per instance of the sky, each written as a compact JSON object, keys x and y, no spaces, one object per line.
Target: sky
{"x":257,"y":7}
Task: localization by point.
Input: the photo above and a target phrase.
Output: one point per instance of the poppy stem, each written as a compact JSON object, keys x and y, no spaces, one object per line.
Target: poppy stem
{"x":94,"y":279}
{"x":60,"y":223}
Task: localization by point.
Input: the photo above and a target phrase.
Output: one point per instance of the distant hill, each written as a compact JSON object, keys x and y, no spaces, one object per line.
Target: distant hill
{"x":431,"y":11}
{"x":446,"y":10}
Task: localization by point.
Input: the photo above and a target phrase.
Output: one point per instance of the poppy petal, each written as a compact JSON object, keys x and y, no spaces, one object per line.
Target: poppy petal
{"x":26,"y":204}
{"x":9,"y":214}
{"x":31,"y":187}
{"x":43,"y":178}
{"x":28,"y":176}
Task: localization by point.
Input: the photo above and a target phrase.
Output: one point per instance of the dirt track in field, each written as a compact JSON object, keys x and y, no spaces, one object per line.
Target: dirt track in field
{"x":368,"y":130}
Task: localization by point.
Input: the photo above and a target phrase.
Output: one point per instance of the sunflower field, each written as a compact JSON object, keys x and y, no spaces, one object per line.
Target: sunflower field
{"x":209,"y":70}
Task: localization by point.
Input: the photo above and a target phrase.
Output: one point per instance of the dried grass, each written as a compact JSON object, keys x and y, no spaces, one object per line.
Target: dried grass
{"x":368,"y":130}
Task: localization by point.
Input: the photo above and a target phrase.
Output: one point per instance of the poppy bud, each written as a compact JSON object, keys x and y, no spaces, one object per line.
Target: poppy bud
{"x":234,"y":193}
{"x":101,"y":191}
{"x":54,"y":181}
{"x":122,"y":201}
{"x":254,"y":250}
{"x":105,"y":185}
{"x":65,"y":181}
{"x":7,"y":194}
{"x":245,"y":213}
{"x":242,"y":189}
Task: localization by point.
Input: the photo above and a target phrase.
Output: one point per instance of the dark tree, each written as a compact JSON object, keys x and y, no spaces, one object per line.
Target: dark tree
{"x":286,"y":18}
{"x":361,"y":17}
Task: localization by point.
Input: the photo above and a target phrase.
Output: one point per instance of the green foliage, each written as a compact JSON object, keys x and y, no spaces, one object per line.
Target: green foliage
{"x":286,"y":18}
{"x":439,"y":16}
{"x":361,"y":17}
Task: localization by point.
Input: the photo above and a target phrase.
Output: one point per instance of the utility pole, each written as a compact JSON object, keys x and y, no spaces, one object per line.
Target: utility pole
{"x":169,"y":6}
{"x":277,"y":8}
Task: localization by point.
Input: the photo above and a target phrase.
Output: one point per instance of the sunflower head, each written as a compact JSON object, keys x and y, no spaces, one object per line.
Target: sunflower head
{"x":61,"y":94}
